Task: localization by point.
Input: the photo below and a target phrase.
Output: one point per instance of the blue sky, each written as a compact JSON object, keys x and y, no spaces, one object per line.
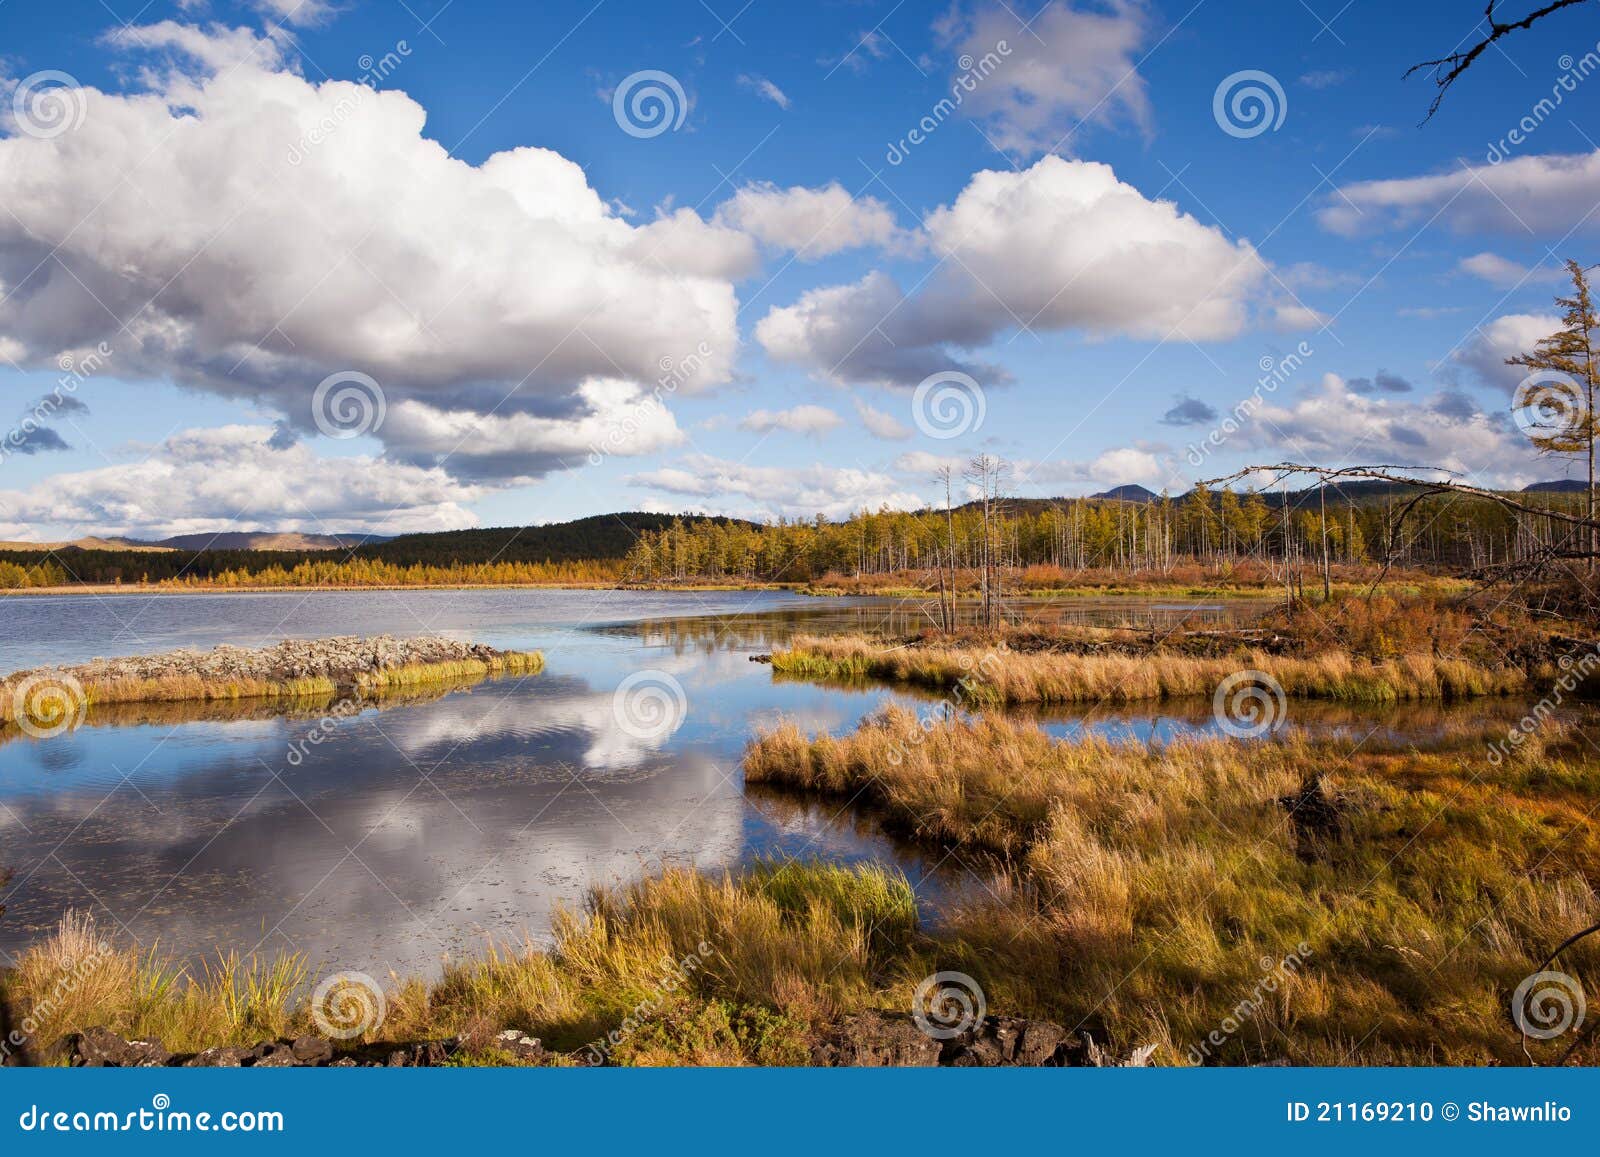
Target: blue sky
{"x":564,"y":311}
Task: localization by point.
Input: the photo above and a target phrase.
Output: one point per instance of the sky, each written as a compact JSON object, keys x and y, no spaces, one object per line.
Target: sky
{"x":397,"y":265}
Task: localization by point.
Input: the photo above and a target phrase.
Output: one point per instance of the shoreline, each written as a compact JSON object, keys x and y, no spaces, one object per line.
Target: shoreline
{"x":135,"y":589}
{"x":898,"y":594}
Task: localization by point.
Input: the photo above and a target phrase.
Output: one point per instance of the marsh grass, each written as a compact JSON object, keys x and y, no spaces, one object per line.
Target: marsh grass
{"x":711,"y":969}
{"x":999,"y":676}
{"x":1142,"y":893}
{"x":1152,"y":889}
{"x":77,"y":979}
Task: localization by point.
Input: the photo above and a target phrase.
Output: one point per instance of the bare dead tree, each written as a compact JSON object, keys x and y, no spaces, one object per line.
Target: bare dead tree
{"x":1579,"y":526}
{"x":1447,"y":69}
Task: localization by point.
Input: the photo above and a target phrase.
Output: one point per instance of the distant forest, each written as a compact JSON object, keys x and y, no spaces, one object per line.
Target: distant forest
{"x":507,"y":551}
{"x":1352,"y":523}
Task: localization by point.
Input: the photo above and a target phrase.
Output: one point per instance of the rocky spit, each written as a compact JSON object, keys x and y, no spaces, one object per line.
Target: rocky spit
{"x":341,"y":663}
{"x":864,"y":1040}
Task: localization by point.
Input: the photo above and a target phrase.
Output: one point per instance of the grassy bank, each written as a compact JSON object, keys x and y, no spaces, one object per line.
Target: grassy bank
{"x":703,"y":969}
{"x":1000,"y":676}
{"x":1158,"y":896}
{"x":47,"y":697}
{"x":1152,"y":890}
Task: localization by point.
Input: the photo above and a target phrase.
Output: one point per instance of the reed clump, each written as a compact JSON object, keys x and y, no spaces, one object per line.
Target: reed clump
{"x":1000,"y":676}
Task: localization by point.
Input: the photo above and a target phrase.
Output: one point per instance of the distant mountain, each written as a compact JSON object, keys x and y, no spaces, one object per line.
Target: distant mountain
{"x":1559,"y":486}
{"x":268,"y":540}
{"x":598,"y":536}
{"x":1130,"y":493}
{"x":90,"y":543}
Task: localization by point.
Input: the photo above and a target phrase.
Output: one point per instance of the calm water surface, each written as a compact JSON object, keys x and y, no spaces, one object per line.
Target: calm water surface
{"x":424,"y":828}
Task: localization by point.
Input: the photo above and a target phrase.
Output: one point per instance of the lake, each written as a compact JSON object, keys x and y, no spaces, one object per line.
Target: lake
{"x":392,"y":838}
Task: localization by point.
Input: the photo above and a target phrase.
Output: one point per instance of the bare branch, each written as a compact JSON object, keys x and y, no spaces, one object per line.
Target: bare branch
{"x":1446,"y":69}
{"x":1284,"y":470}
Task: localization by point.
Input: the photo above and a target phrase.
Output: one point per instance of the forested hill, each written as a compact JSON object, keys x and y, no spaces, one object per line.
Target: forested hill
{"x":598,"y":537}
{"x":603,"y":538}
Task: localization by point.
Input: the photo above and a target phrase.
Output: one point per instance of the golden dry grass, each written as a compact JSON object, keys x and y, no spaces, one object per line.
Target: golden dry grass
{"x":1144,"y":887}
{"x":704,"y":969}
{"x":1148,"y":894}
{"x":999,"y":676}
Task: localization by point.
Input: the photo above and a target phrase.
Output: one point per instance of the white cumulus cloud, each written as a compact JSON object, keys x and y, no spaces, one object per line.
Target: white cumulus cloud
{"x":788,"y":491}
{"x":796,"y":420}
{"x":1075,"y":64}
{"x":810,"y":223}
{"x":1552,"y":193}
{"x":245,"y":231}
{"x":1063,"y":245}
{"x":231,"y":478}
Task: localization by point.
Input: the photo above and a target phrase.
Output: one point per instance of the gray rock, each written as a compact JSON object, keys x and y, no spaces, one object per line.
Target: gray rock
{"x":519,"y":1044}
{"x":877,"y":1040}
{"x":99,"y":1047}
{"x":312,"y":1050}
{"x":223,"y":1057}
